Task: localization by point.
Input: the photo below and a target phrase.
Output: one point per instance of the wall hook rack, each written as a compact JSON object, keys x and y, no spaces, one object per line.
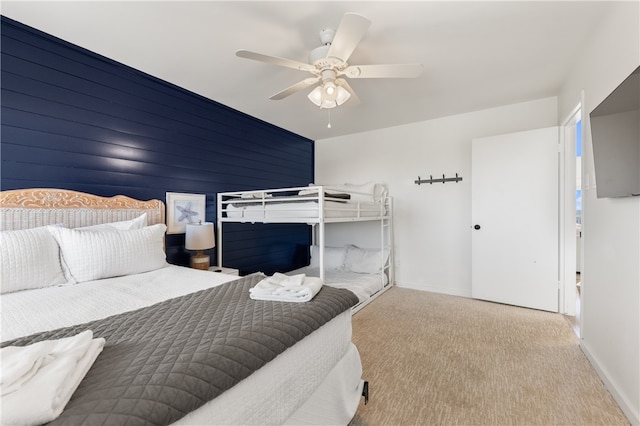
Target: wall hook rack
{"x":443,"y":179}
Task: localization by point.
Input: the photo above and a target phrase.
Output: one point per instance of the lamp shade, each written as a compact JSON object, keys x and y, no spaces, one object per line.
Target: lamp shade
{"x":199,"y":236}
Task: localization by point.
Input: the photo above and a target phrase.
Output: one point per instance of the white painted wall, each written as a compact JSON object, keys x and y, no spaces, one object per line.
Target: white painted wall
{"x":611,"y":227}
{"x":432,"y":222}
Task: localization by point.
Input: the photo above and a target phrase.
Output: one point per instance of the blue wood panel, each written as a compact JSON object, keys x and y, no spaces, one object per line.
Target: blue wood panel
{"x":77,"y":120}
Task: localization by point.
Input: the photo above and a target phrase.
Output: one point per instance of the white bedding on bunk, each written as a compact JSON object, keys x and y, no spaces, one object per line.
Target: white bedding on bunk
{"x":362,"y":285}
{"x":284,"y":384}
{"x":302,"y":209}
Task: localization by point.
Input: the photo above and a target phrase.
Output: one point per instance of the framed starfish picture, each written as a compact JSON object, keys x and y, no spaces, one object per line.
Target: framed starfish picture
{"x":182,"y":209}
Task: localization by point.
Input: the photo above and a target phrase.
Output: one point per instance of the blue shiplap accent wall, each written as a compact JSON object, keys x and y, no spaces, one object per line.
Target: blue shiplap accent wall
{"x":77,"y":120}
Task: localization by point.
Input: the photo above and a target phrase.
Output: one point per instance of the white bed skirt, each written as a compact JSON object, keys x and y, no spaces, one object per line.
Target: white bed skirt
{"x":329,"y":363}
{"x":337,"y":398}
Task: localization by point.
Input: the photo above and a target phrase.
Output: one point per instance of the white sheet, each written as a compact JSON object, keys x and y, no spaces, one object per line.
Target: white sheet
{"x":362,"y":285}
{"x":269,"y":396}
{"x":301,"y":209}
{"x":79,"y":303}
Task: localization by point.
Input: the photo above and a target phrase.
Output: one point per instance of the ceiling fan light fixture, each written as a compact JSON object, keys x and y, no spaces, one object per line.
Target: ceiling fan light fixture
{"x":343,"y":95}
{"x":319,"y":96}
{"x":316,"y":96}
{"x":330,"y":90}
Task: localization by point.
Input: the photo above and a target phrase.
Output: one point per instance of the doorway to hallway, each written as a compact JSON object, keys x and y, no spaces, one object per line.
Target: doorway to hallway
{"x":572,"y":219}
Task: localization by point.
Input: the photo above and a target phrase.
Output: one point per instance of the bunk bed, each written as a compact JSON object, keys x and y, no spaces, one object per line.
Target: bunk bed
{"x":367,"y":272}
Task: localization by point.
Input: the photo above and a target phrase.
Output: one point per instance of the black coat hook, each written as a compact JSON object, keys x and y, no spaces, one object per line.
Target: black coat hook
{"x":444,"y":179}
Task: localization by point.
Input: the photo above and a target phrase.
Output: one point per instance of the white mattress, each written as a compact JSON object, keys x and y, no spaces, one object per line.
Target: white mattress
{"x":301,"y":209}
{"x":269,"y":396}
{"x":362,"y":285}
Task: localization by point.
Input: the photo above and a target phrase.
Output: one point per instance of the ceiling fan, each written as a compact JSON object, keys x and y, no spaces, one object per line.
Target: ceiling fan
{"x":328,"y":64}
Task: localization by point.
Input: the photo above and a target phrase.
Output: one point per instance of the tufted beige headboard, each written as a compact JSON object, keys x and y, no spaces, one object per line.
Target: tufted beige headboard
{"x":30,"y":208}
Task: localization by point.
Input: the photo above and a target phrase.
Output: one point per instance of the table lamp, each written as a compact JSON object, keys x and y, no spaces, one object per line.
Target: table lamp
{"x":199,"y":237}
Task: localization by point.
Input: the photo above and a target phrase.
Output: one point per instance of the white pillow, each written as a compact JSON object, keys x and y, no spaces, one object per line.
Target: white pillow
{"x":91,"y":255}
{"x":365,"y":261}
{"x":30,"y":259}
{"x":137,"y":223}
{"x":380,"y":192}
{"x":366,"y":192}
{"x":333,"y":257}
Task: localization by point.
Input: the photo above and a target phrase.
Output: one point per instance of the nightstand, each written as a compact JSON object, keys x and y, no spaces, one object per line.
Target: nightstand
{"x":223,"y":270}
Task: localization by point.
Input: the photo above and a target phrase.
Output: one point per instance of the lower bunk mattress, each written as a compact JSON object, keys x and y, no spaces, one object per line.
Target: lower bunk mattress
{"x":139,"y":376}
{"x":362,"y":285}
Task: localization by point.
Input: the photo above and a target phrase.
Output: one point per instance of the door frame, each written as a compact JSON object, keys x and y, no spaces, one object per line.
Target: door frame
{"x":567,"y":211}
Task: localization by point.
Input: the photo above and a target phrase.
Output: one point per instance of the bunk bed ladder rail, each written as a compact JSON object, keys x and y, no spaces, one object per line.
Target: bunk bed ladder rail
{"x":386,"y":238}
{"x":219,"y":230}
{"x":320,"y":230}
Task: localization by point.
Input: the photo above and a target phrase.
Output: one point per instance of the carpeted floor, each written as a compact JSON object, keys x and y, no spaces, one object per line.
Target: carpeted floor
{"x":434,"y":359}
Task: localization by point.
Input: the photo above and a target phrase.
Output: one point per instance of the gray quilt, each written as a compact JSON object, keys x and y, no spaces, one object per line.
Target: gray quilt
{"x":163,"y":361}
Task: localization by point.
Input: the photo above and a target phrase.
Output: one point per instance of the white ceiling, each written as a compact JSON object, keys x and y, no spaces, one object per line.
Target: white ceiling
{"x":476,"y":54}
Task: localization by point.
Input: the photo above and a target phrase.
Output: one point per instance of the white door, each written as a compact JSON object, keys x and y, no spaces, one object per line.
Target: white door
{"x":514,"y":201}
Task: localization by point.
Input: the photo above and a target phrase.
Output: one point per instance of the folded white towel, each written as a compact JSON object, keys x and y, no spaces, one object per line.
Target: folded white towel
{"x":284,"y":288}
{"x":20,"y":364}
{"x":286,"y":280}
{"x":38,"y":380}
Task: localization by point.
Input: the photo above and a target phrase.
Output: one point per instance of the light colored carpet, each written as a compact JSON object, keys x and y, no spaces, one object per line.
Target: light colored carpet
{"x":434,"y":359}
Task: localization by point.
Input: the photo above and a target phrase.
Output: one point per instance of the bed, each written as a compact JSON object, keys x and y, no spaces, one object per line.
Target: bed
{"x":367,"y":272}
{"x":360,"y":270}
{"x":156,"y":317}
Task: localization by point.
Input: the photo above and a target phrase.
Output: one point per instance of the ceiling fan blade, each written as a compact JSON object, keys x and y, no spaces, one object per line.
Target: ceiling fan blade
{"x":383,"y":71}
{"x":247,"y":54}
{"x":295,"y":88}
{"x":353,"y":99}
{"x":349,"y":33}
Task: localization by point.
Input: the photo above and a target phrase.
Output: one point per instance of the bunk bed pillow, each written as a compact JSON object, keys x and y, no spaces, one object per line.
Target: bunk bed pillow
{"x":327,"y":193}
{"x":370,"y":192}
{"x":359,"y":193}
{"x":364,"y":260}
{"x":362,"y":192}
{"x":378,"y":191}
{"x":333,"y":257}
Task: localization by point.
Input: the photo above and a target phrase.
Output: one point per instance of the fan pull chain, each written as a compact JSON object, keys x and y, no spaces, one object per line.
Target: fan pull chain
{"x":329,"y":118}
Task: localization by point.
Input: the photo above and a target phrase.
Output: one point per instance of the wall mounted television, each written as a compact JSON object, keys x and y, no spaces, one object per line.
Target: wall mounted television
{"x":615,"y":136}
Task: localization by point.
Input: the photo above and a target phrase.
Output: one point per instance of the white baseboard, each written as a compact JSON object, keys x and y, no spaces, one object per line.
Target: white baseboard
{"x":631,"y":412}
{"x":442,"y":290}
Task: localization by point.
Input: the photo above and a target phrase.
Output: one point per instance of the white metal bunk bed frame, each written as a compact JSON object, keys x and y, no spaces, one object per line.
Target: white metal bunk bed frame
{"x":317,"y":216}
